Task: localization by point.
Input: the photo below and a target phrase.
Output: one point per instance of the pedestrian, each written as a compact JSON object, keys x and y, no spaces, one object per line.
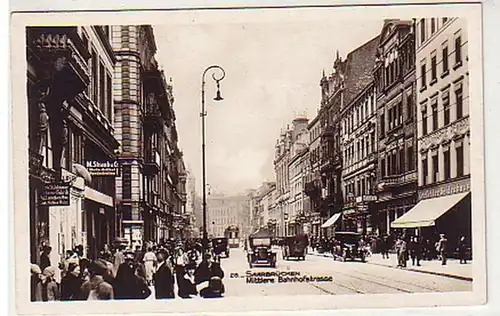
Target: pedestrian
{"x":45,"y":257}
{"x":187,"y":285}
{"x":35,"y":279}
{"x":180,"y":261}
{"x":442,"y":248}
{"x":208,"y":277}
{"x":139,"y":254}
{"x":129,"y":285}
{"x":119,"y":258}
{"x":462,"y":250}
{"x":384,"y":247}
{"x":163,"y":278}
{"x":96,"y":288}
{"x":47,"y":289}
{"x":149,"y":265}
{"x":415,"y":249}
{"x":401,"y":250}
{"x":71,"y":283}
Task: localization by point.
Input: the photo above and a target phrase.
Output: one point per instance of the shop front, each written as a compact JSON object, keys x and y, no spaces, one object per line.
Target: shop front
{"x":99,"y":221}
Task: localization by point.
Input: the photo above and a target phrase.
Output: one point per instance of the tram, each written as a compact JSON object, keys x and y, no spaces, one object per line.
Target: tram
{"x":232,"y":233}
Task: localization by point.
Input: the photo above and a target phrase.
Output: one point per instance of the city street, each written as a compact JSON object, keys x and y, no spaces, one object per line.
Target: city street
{"x":348,"y":278}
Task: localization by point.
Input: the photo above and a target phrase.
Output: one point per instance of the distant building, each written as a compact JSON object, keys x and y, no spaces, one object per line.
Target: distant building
{"x":226,"y":210}
{"x":281,"y":161}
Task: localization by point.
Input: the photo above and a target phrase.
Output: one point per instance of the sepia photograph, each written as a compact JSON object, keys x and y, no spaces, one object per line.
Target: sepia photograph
{"x":270,"y":155}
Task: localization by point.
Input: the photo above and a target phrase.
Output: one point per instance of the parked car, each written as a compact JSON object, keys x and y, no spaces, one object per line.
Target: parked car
{"x":259,"y":250}
{"x":295,"y":247}
{"x":221,"y":246}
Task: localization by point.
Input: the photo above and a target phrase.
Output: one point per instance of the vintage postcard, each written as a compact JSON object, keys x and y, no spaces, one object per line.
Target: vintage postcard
{"x":248,"y":159}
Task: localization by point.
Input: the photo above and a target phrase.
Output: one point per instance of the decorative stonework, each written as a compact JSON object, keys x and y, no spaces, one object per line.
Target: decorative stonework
{"x":458,"y":130}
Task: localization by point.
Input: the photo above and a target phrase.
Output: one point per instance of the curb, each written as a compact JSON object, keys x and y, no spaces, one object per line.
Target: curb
{"x":449,"y":275}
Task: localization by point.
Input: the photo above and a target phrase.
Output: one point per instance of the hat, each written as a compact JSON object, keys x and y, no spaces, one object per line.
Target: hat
{"x":49,"y":271}
{"x":35,"y":269}
{"x":98,"y":267}
{"x":129,"y":255}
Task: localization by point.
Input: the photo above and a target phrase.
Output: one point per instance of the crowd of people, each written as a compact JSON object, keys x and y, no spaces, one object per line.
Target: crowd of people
{"x":173,"y":269}
{"x":406,"y":247}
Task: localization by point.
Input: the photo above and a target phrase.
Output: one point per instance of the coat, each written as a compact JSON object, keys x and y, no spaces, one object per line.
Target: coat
{"x":164,"y":282}
{"x":52,"y":289}
{"x":103,"y":290}
{"x":204,"y":273}
{"x":70,"y":287}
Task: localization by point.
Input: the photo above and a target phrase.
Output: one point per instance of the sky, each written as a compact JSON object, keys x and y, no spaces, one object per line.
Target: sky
{"x":273,"y":69}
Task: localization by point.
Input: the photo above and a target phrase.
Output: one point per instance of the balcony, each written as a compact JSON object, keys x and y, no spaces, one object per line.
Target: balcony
{"x":62,"y":56}
{"x":152,"y":163}
{"x":397,"y":180}
{"x":152,"y":115}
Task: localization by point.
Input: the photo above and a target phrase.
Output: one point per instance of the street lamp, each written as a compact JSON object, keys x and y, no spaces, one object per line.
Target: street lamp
{"x":203,"y":114}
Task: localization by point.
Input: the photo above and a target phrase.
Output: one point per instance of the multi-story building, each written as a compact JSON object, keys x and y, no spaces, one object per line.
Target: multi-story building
{"x":224,"y":211}
{"x":281,"y":160}
{"x":443,"y":129}
{"x":190,"y":211}
{"x":297,"y":168}
{"x":312,"y":186}
{"x":396,"y":105}
{"x":150,"y":186}
{"x":359,"y":156}
{"x":70,"y":118}
{"x":349,"y":78}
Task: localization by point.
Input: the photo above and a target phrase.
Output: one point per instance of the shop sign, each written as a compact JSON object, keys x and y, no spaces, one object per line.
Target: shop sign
{"x":55,"y":194}
{"x":445,"y":189}
{"x":103,"y":168}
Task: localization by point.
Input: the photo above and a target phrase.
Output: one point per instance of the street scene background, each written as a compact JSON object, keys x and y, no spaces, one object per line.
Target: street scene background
{"x":329,"y":165}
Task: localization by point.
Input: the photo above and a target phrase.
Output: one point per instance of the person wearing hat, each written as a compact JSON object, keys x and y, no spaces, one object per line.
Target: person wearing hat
{"x":71,"y":283}
{"x":96,"y":288}
{"x":442,"y":245}
{"x":208,"y":277}
{"x":187,"y":284}
{"x":35,"y":279}
{"x":47,"y":289}
{"x":163,"y":277}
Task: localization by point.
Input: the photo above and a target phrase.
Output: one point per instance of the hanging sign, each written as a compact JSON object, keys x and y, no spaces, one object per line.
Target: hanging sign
{"x":55,"y":194}
{"x":103,"y":168}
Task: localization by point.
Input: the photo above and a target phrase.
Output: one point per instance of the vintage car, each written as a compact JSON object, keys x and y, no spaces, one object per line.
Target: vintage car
{"x":259,"y":250}
{"x":348,"y":246}
{"x":220,"y":246}
{"x":295,"y":247}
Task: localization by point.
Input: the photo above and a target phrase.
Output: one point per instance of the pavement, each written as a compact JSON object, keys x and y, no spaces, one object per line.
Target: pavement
{"x":452,"y":269}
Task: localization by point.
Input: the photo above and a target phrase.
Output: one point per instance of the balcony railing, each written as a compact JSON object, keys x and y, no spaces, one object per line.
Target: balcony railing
{"x":402,"y":179}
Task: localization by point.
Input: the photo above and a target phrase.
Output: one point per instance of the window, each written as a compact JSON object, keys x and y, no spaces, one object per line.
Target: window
{"x":411,"y":159}
{"x":127,"y":182}
{"x":95,"y":79}
{"x":459,"y":102}
{"x":433,"y":25}
{"x":382,"y":167}
{"x":422,"y":31}
{"x":423,"y":75}
{"x":402,"y":168}
{"x":446,"y":107}
{"x":382,"y":125}
{"x":433,"y":68}
{"x":400,"y":113}
{"x":458,"y":50}
{"x":445,"y":57}
{"x":425,"y":171}
{"x":435,"y":168}
{"x":434,"y":115}
{"x":409,"y":106}
{"x":460,"y":160}
{"x":424,"y":120}
{"x":447,"y":164}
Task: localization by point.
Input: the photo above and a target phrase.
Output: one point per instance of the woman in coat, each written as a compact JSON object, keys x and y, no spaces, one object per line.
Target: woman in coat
{"x":71,"y":283}
{"x":128,"y":285}
{"x":47,"y":289}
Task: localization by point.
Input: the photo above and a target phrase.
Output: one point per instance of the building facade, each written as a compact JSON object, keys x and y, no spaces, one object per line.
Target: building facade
{"x":281,"y":161}
{"x":227,"y":210}
{"x":150,"y":188}
{"x":312,"y":187}
{"x":443,"y":118}
{"x":396,"y":132}
{"x":70,"y":118}
{"x":359,"y":156}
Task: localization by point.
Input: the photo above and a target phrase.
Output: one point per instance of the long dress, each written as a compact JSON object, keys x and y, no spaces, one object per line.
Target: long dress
{"x":149,"y":265}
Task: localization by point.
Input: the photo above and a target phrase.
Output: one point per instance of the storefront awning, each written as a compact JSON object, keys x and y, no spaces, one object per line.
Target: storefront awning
{"x":426,"y":212}
{"x":98,"y":197}
{"x":331,"y":221}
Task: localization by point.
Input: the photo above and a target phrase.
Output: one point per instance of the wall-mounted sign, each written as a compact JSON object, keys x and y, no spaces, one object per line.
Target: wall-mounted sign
{"x":55,"y":194}
{"x":103,"y":168}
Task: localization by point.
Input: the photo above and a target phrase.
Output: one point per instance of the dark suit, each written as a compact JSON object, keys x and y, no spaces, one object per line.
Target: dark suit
{"x":164,"y":282}
{"x":205,"y":273}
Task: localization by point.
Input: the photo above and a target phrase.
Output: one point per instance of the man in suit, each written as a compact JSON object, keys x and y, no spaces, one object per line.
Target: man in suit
{"x":163,"y":279}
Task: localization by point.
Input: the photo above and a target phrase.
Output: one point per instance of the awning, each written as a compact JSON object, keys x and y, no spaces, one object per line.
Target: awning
{"x":98,"y":197}
{"x":426,"y":212}
{"x":331,"y":221}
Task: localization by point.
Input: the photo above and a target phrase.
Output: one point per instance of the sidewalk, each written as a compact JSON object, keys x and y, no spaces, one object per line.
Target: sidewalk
{"x":452,"y":269}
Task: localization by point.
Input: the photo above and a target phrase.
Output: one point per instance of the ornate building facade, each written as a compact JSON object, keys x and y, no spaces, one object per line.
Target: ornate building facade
{"x":151,"y":187}
{"x":443,"y":124}
{"x":281,"y":161}
{"x":70,"y":113}
{"x":396,"y":106}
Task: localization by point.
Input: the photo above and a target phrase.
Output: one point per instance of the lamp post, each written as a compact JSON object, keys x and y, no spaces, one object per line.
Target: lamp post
{"x":203,"y":114}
